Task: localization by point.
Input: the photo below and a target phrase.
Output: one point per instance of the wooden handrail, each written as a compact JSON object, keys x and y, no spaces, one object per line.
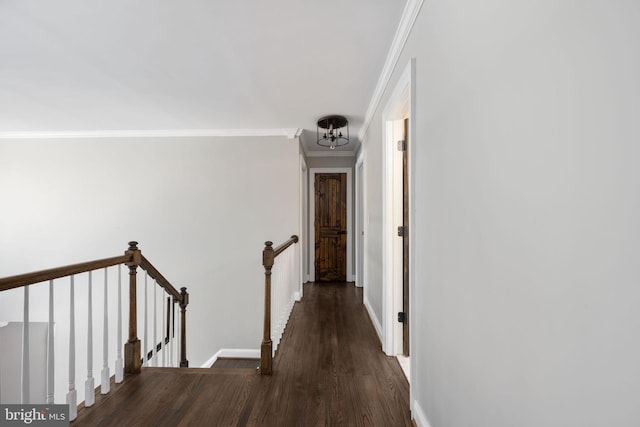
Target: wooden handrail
{"x":277,"y":251}
{"x":20,"y":280}
{"x":158,"y":277}
{"x":133,"y":259}
{"x":268,"y":258}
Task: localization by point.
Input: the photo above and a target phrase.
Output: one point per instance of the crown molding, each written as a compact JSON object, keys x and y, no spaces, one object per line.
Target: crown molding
{"x":293,"y":132}
{"x":289,"y":133}
{"x":409,"y":15}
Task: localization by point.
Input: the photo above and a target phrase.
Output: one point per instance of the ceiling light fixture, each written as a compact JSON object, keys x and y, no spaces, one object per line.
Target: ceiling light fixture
{"x":332,"y":135}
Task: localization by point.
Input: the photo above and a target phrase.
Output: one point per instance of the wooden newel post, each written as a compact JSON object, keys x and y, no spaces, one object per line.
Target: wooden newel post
{"x":266,"y":352}
{"x":132,"y":354}
{"x":184,"y":363}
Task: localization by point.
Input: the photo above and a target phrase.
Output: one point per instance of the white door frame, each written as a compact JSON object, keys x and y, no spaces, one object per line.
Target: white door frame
{"x":360,"y":221}
{"x":400,"y":103}
{"x":312,"y":215}
{"x":304,"y":224}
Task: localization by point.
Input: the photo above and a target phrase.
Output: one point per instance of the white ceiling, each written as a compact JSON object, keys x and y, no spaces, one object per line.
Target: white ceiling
{"x":77,"y":65}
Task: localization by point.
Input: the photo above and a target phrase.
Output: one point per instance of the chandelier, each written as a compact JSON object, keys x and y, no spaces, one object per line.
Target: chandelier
{"x":332,"y":135}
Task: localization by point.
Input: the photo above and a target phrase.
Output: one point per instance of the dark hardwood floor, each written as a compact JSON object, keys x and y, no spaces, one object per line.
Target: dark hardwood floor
{"x":225,"y":363}
{"x":329,"y":371}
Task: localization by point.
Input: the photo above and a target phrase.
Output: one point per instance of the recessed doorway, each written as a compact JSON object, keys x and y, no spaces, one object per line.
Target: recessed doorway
{"x":330,"y":217}
{"x":330,"y":225}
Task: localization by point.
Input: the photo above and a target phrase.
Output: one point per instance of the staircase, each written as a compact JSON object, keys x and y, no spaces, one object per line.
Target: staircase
{"x":329,"y":368}
{"x":162,"y":322}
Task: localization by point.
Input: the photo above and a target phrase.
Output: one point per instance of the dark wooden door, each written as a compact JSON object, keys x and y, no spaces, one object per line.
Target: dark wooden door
{"x":331,"y":227}
{"x":405,"y":239}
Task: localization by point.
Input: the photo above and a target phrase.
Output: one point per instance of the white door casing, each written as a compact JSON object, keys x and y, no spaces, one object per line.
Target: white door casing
{"x":401,"y":104}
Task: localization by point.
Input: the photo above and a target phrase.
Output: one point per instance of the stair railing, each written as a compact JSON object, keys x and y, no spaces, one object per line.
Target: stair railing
{"x":133,"y":356}
{"x":279,"y":296}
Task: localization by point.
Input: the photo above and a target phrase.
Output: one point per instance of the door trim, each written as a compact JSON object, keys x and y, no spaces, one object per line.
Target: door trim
{"x":304,"y":218}
{"x":359,"y":235}
{"x":312,"y":215}
{"x":400,"y":103}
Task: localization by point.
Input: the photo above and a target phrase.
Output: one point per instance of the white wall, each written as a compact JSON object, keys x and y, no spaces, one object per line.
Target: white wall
{"x":201,"y":209}
{"x":527,"y":207}
{"x":373,"y":183}
{"x":11,"y":337}
{"x":330,"y":162}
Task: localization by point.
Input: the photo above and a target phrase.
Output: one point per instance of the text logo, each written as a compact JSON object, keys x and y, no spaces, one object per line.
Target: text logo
{"x":34,"y":415}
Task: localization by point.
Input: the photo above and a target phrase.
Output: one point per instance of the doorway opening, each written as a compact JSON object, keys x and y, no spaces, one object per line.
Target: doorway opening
{"x":335,"y":233}
{"x":331,"y":227}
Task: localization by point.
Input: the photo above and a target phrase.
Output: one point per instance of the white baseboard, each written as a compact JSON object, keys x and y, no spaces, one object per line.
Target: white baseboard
{"x":419,"y":416}
{"x":297,"y":296}
{"x":372,"y":316}
{"x":237,"y":353}
{"x":209,"y":363}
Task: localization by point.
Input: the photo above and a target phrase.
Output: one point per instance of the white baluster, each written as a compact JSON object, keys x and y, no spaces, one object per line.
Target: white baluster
{"x":145,"y":347}
{"x":284,"y":289}
{"x":119,"y":361}
{"x":89,"y":384}
{"x":289,"y":275}
{"x":275,"y":314}
{"x":281,"y":276}
{"x":25,"y":349}
{"x":178,"y":335}
{"x":155,"y":325}
{"x":282,"y":268}
{"x":281,"y":290}
{"x":169,"y":329}
{"x":171,"y":333}
{"x":295,"y":273}
{"x":176,"y":331}
{"x":105,"y":386}
{"x":72,"y":395}
{"x":275,"y":297}
{"x":275,"y":279}
{"x":293,"y":279}
{"x":274,"y":305}
{"x":289,"y":287}
{"x":164,"y":330}
{"x":285,"y":292}
{"x":50,"y":350}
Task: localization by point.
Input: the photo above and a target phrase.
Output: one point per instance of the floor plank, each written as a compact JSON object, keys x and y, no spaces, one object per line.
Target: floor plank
{"x":329,"y":370}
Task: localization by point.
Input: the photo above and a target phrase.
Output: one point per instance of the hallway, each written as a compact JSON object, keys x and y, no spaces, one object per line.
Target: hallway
{"x":329,"y":370}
